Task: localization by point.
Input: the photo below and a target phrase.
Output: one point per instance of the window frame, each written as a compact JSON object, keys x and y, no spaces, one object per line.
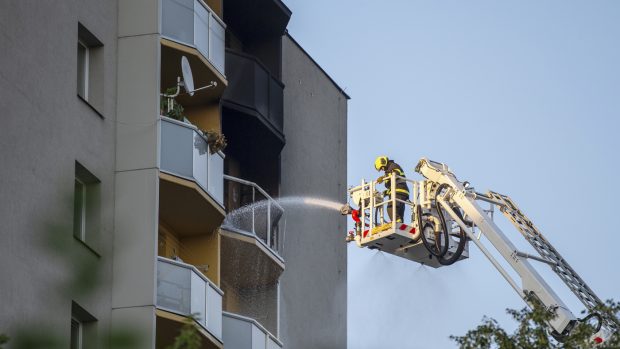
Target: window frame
{"x":87,"y":208}
{"x":80,"y":232}
{"x":85,"y":68}
{"x":80,"y":334}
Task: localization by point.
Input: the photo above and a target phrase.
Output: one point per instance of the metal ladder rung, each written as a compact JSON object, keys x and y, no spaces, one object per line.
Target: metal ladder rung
{"x":551,"y":256}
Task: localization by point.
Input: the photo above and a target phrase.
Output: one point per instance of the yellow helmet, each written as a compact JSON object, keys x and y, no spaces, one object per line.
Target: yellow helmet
{"x":380,"y":162}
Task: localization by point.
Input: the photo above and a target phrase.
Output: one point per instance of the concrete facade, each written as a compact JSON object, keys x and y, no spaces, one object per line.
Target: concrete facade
{"x":45,"y":129}
{"x":314,"y":285}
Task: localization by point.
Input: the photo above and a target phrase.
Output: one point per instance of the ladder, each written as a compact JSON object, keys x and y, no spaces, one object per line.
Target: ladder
{"x":551,"y":256}
{"x":532,"y":283}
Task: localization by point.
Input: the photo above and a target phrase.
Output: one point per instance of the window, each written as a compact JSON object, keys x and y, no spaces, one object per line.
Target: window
{"x":90,"y":79}
{"x":86,"y":206}
{"x":76,"y":334}
{"x":82,"y":71}
{"x":83,"y":328}
{"x":79,"y":210}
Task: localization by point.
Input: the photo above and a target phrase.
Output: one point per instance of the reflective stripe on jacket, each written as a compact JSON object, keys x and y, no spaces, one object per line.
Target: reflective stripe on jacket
{"x":401,"y":185}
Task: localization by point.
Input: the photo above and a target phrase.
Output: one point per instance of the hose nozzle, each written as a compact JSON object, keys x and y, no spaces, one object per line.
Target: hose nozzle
{"x":345,"y":209}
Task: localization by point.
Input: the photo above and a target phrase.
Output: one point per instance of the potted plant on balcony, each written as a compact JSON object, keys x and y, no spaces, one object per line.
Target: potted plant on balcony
{"x":168,"y":105}
{"x":216,"y":140}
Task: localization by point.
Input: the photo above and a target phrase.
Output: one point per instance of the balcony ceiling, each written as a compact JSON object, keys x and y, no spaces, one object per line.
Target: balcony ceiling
{"x":169,"y":325}
{"x":255,"y":19}
{"x":246,"y":263}
{"x":186,"y":208}
{"x":202,"y":70}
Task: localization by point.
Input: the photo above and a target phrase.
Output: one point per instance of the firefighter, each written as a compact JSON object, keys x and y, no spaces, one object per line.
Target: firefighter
{"x":382,"y":163}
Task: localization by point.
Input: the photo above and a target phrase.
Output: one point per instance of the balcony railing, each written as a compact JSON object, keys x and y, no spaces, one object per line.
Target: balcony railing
{"x":185,"y":153}
{"x":251,"y":86}
{"x":193,"y":23}
{"x":243,"y":332}
{"x":183,"y":290}
{"x":253,"y":212}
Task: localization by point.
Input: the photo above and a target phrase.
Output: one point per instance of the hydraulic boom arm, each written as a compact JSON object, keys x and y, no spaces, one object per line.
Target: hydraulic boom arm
{"x":531,"y":283}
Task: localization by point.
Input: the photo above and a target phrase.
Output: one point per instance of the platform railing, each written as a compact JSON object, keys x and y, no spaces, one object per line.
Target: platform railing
{"x":252,"y":211}
{"x":375,"y":209}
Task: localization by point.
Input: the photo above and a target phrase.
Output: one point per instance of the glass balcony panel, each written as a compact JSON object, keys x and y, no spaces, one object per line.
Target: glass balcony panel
{"x":259,"y":338}
{"x":276,"y":214}
{"x":240,"y":72}
{"x":214,"y":311}
{"x":254,"y":212}
{"x":178,"y":20}
{"x":217,"y":48}
{"x":237,"y":333}
{"x":261,"y":228}
{"x":216,"y":177}
{"x":253,"y":87}
{"x":199,"y":299}
{"x":192,"y":23}
{"x":245,"y":332}
{"x":201,"y":28}
{"x":176,"y":149}
{"x":272,"y":344}
{"x":261,"y":91}
{"x":276,"y":103}
{"x":201,"y":160}
{"x":183,"y":290}
{"x":173,"y":288}
{"x":185,"y":153}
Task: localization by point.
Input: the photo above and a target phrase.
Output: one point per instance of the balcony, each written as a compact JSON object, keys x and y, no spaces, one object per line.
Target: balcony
{"x":253,"y":213}
{"x":253,"y":90}
{"x":192,"y":183}
{"x":193,"y":23}
{"x":182,"y":291}
{"x":254,"y":20}
{"x":245,"y":333}
{"x":252,"y":238}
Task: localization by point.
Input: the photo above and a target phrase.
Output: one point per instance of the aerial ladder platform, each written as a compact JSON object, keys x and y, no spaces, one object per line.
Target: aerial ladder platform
{"x":446,"y":215}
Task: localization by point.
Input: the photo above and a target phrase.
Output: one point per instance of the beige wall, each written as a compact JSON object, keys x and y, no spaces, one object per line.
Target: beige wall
{"x":201,"y":251}
{"x":205,"y":117}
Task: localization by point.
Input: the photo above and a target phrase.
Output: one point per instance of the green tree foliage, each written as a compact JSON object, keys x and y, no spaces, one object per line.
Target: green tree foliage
{"x":3,"y":340}
{"x":532,"y":331}
{"x":188,"y":338}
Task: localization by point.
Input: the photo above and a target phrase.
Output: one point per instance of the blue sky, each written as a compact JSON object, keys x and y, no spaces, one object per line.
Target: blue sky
{"x":521,"y":97}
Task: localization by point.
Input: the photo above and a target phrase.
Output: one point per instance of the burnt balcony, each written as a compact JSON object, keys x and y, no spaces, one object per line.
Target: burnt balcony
{"x":253,"y":90}
{"x":254,"y":20}
{"x":252,"y":238}
{"x":255,"y":214}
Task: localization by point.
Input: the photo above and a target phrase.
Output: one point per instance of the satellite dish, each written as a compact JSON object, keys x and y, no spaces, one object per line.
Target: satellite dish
{"x":188,"y":79}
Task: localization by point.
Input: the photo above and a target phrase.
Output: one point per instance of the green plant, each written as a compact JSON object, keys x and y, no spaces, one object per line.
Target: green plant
{"x":3,"y":340}
{"x":216,"y":140}
{"x":176,"y":112}
{"x":188,"y":338}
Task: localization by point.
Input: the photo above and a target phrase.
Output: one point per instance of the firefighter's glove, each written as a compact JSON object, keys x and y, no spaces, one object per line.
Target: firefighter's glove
{"x":380,"y":179}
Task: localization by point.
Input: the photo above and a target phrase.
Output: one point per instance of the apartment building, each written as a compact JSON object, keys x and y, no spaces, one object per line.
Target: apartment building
{"x":125,"y":218}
